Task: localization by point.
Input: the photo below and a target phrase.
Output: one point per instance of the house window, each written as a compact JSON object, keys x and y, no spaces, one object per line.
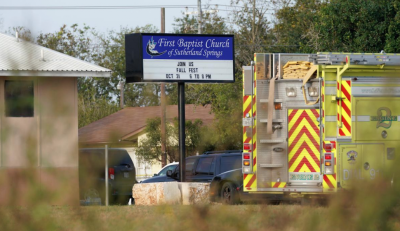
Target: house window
{"x":18,"y":96}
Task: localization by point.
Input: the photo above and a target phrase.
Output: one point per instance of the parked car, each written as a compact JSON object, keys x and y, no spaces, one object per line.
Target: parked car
{"x":121,"y":171}
{"x":161,"y":176}
{"x":204,"y":167}
{"x":163,"y":171}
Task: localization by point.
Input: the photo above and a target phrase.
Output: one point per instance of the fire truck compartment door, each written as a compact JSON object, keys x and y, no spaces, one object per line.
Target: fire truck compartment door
{"x":304,"y":146}
{"x":359,"y":162}
{"x":376,"y":119}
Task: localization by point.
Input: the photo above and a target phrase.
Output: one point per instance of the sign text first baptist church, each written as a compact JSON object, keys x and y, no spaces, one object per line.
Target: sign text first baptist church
{"x":179,"y":58}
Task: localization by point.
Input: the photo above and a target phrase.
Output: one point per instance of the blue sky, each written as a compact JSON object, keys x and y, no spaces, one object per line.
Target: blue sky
{"x":47,"y":21}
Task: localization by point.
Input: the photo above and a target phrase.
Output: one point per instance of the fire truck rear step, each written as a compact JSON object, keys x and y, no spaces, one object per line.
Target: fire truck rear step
{"x":273,"y":120}
{"x":275,"y":101}
{"x":271,"y":165}
{"x":271,"y":141}
{"x":308,"y":184}
{"x":312,"y":189}
{"x":303,"y":189}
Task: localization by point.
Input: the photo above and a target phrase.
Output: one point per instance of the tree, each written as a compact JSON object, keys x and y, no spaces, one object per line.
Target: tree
{"x":252,"y":30}
{"x":293,"y":30}
{"x":23,"y":33}
{"x":113,"y":57}
{"x":149,"y":148}
{"x":212,"y":23}
{"x":73,"y":41}
{"x":393,"y":34}
{"x":356,"y":26}
{"x":90,"y":110}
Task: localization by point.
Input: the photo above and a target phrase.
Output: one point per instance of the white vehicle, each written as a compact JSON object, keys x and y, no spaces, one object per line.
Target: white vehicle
{"x":163,"y":171}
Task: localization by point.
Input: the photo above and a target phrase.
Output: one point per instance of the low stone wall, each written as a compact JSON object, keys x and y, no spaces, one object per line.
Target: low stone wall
{"x":171,"y":193}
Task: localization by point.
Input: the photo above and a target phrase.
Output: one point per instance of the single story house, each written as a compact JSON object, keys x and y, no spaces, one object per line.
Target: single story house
{"x":39,"y":123}
{"x":125,"y":128}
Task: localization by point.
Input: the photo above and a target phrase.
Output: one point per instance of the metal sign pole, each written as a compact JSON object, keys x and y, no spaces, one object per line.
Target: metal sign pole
{"x":106,"y":174}
{"x":181,"y":113}
{"x":163,"y":106}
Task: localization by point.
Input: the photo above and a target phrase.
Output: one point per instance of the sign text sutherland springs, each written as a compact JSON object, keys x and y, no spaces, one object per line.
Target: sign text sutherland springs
{"x":185,"y":58}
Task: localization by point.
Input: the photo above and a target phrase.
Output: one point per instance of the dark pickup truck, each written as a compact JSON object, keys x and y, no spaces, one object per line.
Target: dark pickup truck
{"x":204,"y":167}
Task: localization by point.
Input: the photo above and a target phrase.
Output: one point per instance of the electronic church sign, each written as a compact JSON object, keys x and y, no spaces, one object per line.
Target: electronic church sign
{"x":179,"y":58}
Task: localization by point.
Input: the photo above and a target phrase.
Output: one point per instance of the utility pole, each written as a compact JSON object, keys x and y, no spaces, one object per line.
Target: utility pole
{"x":199,"y":16}
{"x":163,"y":106}
{"x":254,"y":21}
{"x":120,"y":87}
{"x":106,"y":175}
{"x":199,"y":13}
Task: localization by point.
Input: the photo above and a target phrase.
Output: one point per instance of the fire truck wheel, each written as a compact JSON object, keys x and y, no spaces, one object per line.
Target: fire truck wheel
{"x":228,"y":194}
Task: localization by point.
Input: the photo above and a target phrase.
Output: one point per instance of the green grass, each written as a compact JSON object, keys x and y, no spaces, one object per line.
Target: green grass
{"x":179,"y":217}
{"x":370,"y":205}
{"x":213,"y":217}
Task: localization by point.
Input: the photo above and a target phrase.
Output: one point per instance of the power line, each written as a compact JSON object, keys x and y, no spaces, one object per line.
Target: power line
{"x":102,"y":7}
{"x":233,"y":7}
{"x":89,"y":7}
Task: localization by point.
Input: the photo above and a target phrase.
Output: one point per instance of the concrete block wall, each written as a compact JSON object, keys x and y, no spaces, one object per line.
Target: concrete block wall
{"x":171,"y":193}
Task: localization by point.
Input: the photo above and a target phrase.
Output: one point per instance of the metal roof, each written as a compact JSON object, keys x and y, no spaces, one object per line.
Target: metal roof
{"x":22,"y":58}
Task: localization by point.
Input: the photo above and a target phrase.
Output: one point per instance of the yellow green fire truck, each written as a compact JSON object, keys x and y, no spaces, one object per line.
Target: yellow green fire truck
{"x":319,"y":131}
